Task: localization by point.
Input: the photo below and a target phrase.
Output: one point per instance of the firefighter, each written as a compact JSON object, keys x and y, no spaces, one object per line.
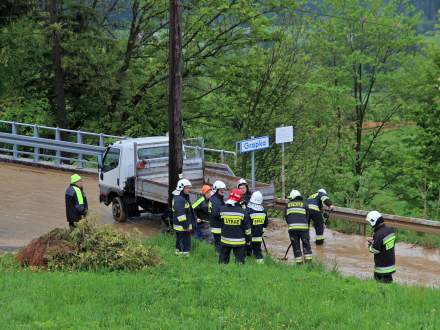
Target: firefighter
{"x":315,"y":204}
{"x":200,"y":207}
{"x":382,"y":246}
{"x":259,"y":221}
{"x":235,"y":229}
{"x":76,"y":201}
{"x":244,"y":187}
{"x":296,"y":215}
{"x":216,"y":201}
{"x":183,"y":217}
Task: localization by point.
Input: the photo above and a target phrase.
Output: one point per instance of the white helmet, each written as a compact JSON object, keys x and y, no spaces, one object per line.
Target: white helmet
{"x":294,"y":194}
{"x":322,"y":190}
{"x":241,"y":181}
{"x":218,"y":185}
{"x":373,"y":217}
{"x":256,"y":198}
{"x":182,"y":183}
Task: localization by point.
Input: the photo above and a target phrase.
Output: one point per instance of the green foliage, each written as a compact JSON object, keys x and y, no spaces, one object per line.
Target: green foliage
{"x":197,"y":293}
{"x":97,"y":248}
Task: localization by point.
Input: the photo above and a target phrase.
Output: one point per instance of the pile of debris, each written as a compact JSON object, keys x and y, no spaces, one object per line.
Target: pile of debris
{"x":88,"y":247}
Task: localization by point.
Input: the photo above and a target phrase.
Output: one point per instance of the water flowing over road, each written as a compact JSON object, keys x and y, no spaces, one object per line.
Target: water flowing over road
{"x":32,"y":203}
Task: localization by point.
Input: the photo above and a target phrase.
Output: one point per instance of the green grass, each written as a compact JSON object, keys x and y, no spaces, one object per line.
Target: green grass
{"x":197,"y":293}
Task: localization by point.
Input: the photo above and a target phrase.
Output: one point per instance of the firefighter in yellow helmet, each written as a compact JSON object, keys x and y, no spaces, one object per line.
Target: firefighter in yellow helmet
{"x":76,"y":201}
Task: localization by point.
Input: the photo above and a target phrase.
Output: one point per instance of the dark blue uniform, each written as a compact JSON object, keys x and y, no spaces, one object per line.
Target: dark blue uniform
{"x":297,"y":218}
{"x":315,"y":204}
{"x":183,"y":218}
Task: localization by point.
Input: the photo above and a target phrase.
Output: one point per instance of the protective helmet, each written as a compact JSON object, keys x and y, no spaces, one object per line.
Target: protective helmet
{"x":218,"y":185}
{"x":373,"y":217}
{"x":205,"y":189}
{"x":294,"y":194}
{"x":182,"y":183}
{"x":241,"y":181}
{"x":322,"y":190}
{"x":75,"y":178}
{"x":235,"y":195}
{"x":256,"y":198}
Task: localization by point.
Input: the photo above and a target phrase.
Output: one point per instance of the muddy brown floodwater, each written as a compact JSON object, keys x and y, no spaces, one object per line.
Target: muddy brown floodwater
{"x":32,"y":203}
{"x":349,"y":254}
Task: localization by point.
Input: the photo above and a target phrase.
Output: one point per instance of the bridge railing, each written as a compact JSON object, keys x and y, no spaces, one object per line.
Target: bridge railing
{"x":32,"y":142}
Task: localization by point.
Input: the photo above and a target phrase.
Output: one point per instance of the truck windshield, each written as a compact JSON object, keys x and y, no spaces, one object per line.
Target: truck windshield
{"x":153,"y":152}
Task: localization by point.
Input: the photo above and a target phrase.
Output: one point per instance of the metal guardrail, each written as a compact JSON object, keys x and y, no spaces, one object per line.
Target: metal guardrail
{"x":395,"y":221}
{"x":76,"y":144}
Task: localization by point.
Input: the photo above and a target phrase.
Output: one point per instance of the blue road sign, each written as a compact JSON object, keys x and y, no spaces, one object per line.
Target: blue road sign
{"x":254,"y":144}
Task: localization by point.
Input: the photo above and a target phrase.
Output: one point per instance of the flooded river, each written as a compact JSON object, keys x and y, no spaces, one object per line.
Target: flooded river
{"x":32,"y":203}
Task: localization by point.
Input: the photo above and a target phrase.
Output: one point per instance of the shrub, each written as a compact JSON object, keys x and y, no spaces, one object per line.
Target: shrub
{"x":89,"y":247}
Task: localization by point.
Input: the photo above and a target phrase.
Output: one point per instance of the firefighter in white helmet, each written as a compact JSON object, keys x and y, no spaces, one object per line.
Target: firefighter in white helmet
{"x":382,"y":246}
{"x":216,"y":201}
{"x":183,"y":217}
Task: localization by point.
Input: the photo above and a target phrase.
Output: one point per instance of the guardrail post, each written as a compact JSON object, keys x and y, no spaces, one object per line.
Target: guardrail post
{"x":36,"y":149}
{"x":14,"y":147}
{"x":57,"y":153}
{"x":222,"y":156}
{"x":80,"y":163}
{"x":101,"y":140}
{"x":362,"y":229}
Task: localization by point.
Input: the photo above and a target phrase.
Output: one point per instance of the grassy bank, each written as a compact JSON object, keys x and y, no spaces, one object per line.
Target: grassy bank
{"x":197,"y":293}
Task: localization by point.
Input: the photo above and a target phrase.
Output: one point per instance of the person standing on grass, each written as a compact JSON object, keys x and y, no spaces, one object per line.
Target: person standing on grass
{"x":235,"y":229}
{"x":382,"y":246}
{"x":259,"y":221}
{"x":296,"y":215}
{"x":216,"y":201}
{"x":76,"y":201}
{"x":183,"y":217}
{"x":200,"y":207}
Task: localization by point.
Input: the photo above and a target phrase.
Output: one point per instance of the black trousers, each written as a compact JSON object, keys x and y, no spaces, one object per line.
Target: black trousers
{"x":72,"y":224}
{"x":239,"y":253}
{"x":296,"y":237}
{"x":183,"y":241}
{"x":383,"y":278}
{"x":256,"y":250}
{"x":318,"y":223}
{"x":217,"y":243}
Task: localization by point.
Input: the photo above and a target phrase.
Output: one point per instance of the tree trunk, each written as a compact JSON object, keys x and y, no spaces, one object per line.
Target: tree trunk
{"x":175,"y":97}
{"x":58,"y":99}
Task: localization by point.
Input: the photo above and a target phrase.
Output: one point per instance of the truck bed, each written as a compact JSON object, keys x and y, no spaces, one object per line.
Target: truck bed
{"x":156,"y":188}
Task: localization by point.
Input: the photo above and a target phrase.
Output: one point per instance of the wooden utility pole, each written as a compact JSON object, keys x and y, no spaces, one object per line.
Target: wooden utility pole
{"x":57,"y":98}
{"x":175,"y":97}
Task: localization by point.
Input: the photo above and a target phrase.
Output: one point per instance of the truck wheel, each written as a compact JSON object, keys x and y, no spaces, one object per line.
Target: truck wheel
{"x":118,"y":210}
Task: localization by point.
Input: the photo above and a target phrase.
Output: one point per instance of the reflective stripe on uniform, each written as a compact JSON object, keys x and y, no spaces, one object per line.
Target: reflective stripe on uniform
{"x":298,"y":260}
{"x":232,"y":214}
{"x":257,"y":239}
{"x":181,"y":218}
{"x":180,"y":228}
{"x":324,"y":198}
{"x":216,"y":230}
{"x":373,"y":250}
{"x":319,"y":237}
{"x":79,"y":195}
{"x":198,"y":202}
{"x":298,"y":226}
{"x":296,"y":210}
{"x":308,"y":256}
{"x":385,"y":270}
{"x":314,"y":207}
{"x":233,"y":241}
{"x":247,"y":232}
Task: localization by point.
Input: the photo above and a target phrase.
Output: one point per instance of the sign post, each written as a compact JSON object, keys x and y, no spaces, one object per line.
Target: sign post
{"x":283,"y":134}
{"x":252,"y":145}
